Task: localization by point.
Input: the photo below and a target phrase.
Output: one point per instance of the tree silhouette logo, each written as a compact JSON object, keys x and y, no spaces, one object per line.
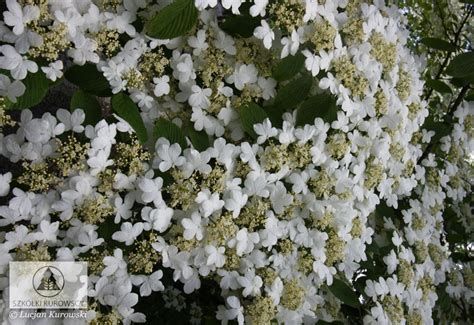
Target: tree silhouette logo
{"x":48,"y":281}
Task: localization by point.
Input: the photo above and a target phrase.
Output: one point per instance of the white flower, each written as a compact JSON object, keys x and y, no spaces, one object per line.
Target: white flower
{"x":203,"y":4}
{"x":114,"y":263}
{"x":256,"y":184}
{"x":396,"y":239}
{"x":72,"y":121}
{"x":192,"y":227}
{"x":305,"y":134}
{"x":196,"y":160}
{"x":19,"y":17}
{"x":122,"y":181}
{"x":180,"y":263}
{"x":200,"y":97}
{"x":14,"y":62}
{"x":265,"y":33}
{"x":54,"y":70}
{"x":5,"y":180}
{"x":223,"y":152}
{"x":88,"y":238}
{"x":374,"y":288}
{"x":183,"y":68}
{"x":291,"y":45}
{"x":268,"y":86}
{"x":279,"y":198}
{"x":391,"y":261}
{"x":224,"y":42}
{"x":299,"y":181}
{"x":99,"y":162}
{"x":215,"y":256}
{"x":311,"y":10}
{"x":209,"y":202}
{"x":40,"y":130}
{"x":12,"y":90}
{"x":47,"y":231}
{"x":234,"y":4}
{"x":233,"y":311}
{"x":311,"y":62}
{"x":69,"y":17}
{"x":143,"y":100}
{"x":234,"y":201}
{"x":264,"y":130}
{"x":151,"y":190}
{"x":113,"y":70}
{"x":251,"y":283}
{"x":122,"y":298}
{"x":134,"y":5}
{"x":324,"y":272}
{"x":122,"y":23}
{"x":167,"y":155}
{"x":84,"y":50}
{"x":273,"y":231}
{"x":162,"y":86}
{"x":244,"y":241}
{"x":25,"y":41}
{"x":286,"y":135}
{"x":244,"y":74}
{"x":148,"y":284}
{"x":228,"y":279}
{"x":123,"y":207}
{"x":18,"y":236}
{"x":102,"y":135}
{"x":198,"y":42}
{"x":128,"y":233}
{"x":258,"y":9}
{"x":200,"y":119}
{"x":427,"y":135}
{"x":342,"y":122}
{"x":159,"y":219}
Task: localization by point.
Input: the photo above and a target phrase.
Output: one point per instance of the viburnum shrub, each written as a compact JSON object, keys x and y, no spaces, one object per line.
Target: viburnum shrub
{"x":254,"y":162}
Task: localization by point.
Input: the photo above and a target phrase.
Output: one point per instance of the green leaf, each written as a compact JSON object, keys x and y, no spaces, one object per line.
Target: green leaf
{"x":251,"y":114}
{"x":469,"y":96}
{"x":438,"y":44}
{"x":462,"y":66}
{"x":288,"y":67}
{"x":211,"y":321}
{"x":169,"y":130}
{"x":344,"y":293}
{"x":172,"y":21}
{"x":89,"y":79}
{"x":128,"y":110}
{"x":321,"y":105}
{"x":439,"y":86}
{"x":288,"y":97}
{"x":444,"y":300}
{"x":438,"y":127}
{"x":199,"y":139}
{"x":384,"y":211}
{"x":37,"y":86}
{"x":107,"y":229}
{"x":166,"y":176}
{"x":240,"y":25}
{"x":460,"y":257}
{"x":89,"y":104}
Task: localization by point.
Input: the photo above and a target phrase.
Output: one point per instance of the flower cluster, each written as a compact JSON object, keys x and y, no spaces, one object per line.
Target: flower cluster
{"x":270,"y":219}
{"x":417,"y":260}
